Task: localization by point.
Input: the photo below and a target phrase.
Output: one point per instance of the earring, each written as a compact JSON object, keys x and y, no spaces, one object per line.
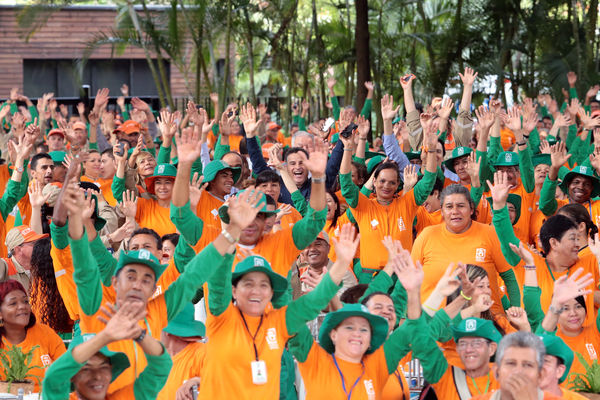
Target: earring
{"x":1,"y":323}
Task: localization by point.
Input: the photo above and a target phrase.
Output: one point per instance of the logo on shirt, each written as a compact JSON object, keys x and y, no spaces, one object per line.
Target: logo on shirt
{"x":272,"y":339}
{"x":369,"y":388}
{"x":46,"y":360}
{"x":214,"y":212}
{"x":374,"y":223}
{"x":597,"y":219}
{"x":591,"y":351}
{"x":401,"y":225}
{"x":480,"y":254}
{"x":158,"y":291}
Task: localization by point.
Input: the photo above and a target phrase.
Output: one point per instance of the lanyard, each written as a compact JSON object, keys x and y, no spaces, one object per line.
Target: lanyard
{"x":551,"y":274}
{"x":348,"y":395}
{"x":400,"y":382}
{"x":255,"y":333}
{"x":487,"y":385}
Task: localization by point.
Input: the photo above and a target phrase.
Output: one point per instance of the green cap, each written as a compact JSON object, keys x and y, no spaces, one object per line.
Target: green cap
{"x":374,"y":162}
{"x":556,"y":347}
{"x":158,"y":139}
{"x":118,"y":361}
{"x":260,"y":264}
{"x":160,"y":171}
{"x":551,"y":140}
{"x":458,"y":152}
{"x":412,"y":155}
{"x":379,"y":326}
{"x":513,"y":199}
{"x":541,"y":159}
{"x":396,"y":120}
{"x":584,"y":171}
{"x":223,"y":210}
{"x":58,"y":156}
{"x":185,"y":325}
{"x":213,"y":167}
{"x":370,"y":154}
{"x":142,"y":256}
{"x":476,"y":327}
{"x":507,"y":159}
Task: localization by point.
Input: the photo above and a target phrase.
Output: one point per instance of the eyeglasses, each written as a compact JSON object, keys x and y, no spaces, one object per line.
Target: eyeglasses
{"x":474,"y":344}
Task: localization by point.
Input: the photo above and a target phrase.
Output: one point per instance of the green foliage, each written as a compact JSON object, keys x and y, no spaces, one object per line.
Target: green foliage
{"x":588,"y":382}
{"x":17,"y":365}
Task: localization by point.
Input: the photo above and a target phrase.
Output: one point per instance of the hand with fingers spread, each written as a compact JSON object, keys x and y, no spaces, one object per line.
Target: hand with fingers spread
{"x":122,"y":323}
{"x":411,"y":177}
{"x":569,"y":287}
{"x":248,"y":118}
{"x":89,"y":206}
{"x":129,"y":204}
{"x":189,"y":146}
{"x":473,"y":168}
{"x":244,"y":207}
{"x":283,"y":210}
{"x":196,"y":189}
{"x":595,"y":156}
{"x":485,"y":117}
{"x":388,"y":112}
{"x":124,"y":231}
{"x":346,"y":116}
{"x":36,"y":198}
{"x":346,"y":244}
{"x":523,"y":252}
{"x":558,"y":157}
{"x":317,"y":161}
{"x":409,"y":273}
{"x":446,"y":108}
{"x":449,"y":282}
{"x":363,"y":127}
{"x":101,"y":100}
{"x":513,"y":119}
{"x":468,"y":78}
{"x":500,"y":189}
{"x":275,"y":161}
{"x":167,"y":127}
{"x":406,"y":81}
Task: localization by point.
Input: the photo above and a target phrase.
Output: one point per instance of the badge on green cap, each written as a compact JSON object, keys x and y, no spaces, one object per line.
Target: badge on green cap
{"x":471,"y":325}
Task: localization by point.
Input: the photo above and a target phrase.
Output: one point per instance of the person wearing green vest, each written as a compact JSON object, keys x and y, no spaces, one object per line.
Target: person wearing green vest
{"x":88,"y":367}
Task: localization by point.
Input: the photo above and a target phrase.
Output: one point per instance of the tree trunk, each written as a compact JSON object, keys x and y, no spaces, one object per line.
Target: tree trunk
{"x":592,"y":20}
{"x":363,"y":61}
{"x":225,"y":87}
{"x":575,"y":25}
{"x":250,"y":50}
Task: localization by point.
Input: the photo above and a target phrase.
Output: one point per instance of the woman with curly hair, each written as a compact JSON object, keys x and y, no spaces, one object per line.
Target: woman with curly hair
{"x":46,"y":302}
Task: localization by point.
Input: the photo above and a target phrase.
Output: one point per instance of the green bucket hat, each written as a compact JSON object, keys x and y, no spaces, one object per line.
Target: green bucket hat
{"x":412,"y":155}
{"x":370,"y":154}
{"x":374,"y":162}
{"x":379,"y":326}
{"x":551,"y":140}
{"x":185,"y":325}
{"x":541,"y":159}
{"x":476,"y":327}
{"x":584,"y":171}
{"x":556,"y":347}
{"x":58,"y":156}
{"x":160,"y":171}
{"x":223,"y":210}
{"x":140,"y":257}
{"x":507,"y":159}
{"x":513,"y":199}
{"x":213,"y":167}
{"x":260,"y":264}
{"x":118,"y":360}
{"x":457,"y":153}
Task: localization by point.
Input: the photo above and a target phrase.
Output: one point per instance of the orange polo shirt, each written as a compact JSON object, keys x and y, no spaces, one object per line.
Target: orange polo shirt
{"x":436,"y":247}
{"x":323,"y":381}
{"x":446,"y":389}
{"x":63,"y":272}
{"x":288,"y":220}
{"x":587,"y":343}
{"x":569,"y":395}
{"x":425,"y":218}
{"x":105,"y":188}
{"x":25,"y":209}
{"x":488,"y":395}
{"x":208,"y":209}
{"x":50,"y":348}
{"x":186,"y":364}
{"x":151,"y":215}
{"x":227,"y":372}
{"x":376,"y":221}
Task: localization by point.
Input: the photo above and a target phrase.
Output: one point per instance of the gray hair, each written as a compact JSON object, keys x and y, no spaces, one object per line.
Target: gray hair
{"x":523,"y":340}
{"x":457,"y":189}
{"x":300,"y":134}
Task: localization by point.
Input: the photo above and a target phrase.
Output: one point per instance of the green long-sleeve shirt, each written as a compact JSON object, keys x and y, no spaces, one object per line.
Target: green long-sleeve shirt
{"x":526,"y":170}
{"x":10,"y":198}
{"x":365,"y":112}
{"x":533,"y":308}
{"x":118,"y":188}
{"x":548,"y":203}
{"x":382,"y":282}
{"x":57,"y":382}
{"x":220,"y":149}
{"x":506,"y":235}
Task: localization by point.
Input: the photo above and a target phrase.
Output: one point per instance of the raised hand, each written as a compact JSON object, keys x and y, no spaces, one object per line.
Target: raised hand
{"x":124,"y":90}
{"x":369,"y":86}
{"x":482,"y":303}
{"x":594,"y":244}
{"x":364,"y":126}
{"x":409,"y":274}
{"x":89,"y":205}
{"x":122,"y":323}
{"x":449,"y":282}
{"x":167,"y":126}
{"x":558,"y":155}
{"x":129,"y":204}
{"x":248,"y":118}
{"x":406,"y":81}
{"x":346,"y":116}
{"x":522,"y":252}
{"x":331,"y":83}
{"x":544,"y":147}
{"x":36,"y":197}
{"x":468,"y":78}
{"x":346,"y":244}
{"x":518,"y":317}
{"x":274,"y":160}
{"x":446,"y":108}
{"x":593,"y":91}
{"x":388,"y":112}
{"x":317,"y":161}
{"x":513,"y":119}
{"x":500,"y":189}
{"x":189,"y":146}
{"x":214,"y":97}
{"x":595,"y":156}
{"x":140,"y":104}
{"x":284,"y":209}
{"x":571,"y":78}
{"x":196,"y":189}
{"x":485,"y":117}
{"x":101,"y":99}
{"x":495,"y":105}
{"x":244,"y":207}
{"x":411,"y":177}
{"x":570,"y":287}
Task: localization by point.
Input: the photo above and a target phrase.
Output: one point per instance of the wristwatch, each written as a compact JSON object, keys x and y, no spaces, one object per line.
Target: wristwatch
{"x":141,"y":337}
{"x":555,"y":310}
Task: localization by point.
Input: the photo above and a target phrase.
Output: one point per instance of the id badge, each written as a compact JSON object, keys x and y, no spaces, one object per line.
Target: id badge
{"x":259,"y":372}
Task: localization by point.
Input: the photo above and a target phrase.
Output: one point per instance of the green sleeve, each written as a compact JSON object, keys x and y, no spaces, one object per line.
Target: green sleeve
{"x":34,"y":112}
{"x":544,"y":111}
{"x":548,"y":203}
{"x":423,"y":188}
{"x":573,"y":93}
{"x":219,"y":287}
{"x":505,"y":302}
{"x":10,"y":198}
{"x":349,"y":190}
{"x":534,"y":141}
{"x":526,"y":170}
{"x":442,"y":135}
{"x":198,"y":271}
{"x":512,"y":287}
{"x":476,"y":193}
{"x":60,"y":235}
{"x":153,"y":378}
{"x":183,"y":254}
{"x":423,"y":347}
{"x":301,"y":343}
{"x":107,"y":264}
{"x":400,"y":298}
{"x":187,"y":223}
{"x":86,"y":275}
{"x":220,"y":149}
{"x":358,"y":160}
{"x":382,"y":282}
{"x":301,"y":123}
{"x":307,"y":307}
{"x":305,"y":231}
{"x":366,"y":110}
{"x":287,"y":296}
{"x":125,"y":113}
{"x":571,"y":135}
{"x":335,"y":107}
{"x":164,"y":155}
{"x":485,"y":169}
{"x":439,"y":326}
{"x":118,"y":187}
{"x":300,"y":203}
{"x":57,"y":380}
{"x":495,"y":148}
{"x":14,"y":108}
{"x":364,"y":190}
{"x":533,"y":308}
{"x":93,"y":145}
{"x":506,"y":235}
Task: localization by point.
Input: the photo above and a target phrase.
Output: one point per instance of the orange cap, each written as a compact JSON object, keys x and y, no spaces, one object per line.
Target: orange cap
{"x":265,"y":150}
{"x":130,"y":127}
{"x":273,"y":126}
{"x":79,"y":125}
{"x":56,"y":132}
{"x":21,"y":234}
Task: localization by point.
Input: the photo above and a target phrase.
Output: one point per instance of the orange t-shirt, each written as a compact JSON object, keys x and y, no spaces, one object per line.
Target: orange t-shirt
{"x":323,"y":381}
{"x":436,"y":247}
{"x":151,"y":215}
{"x":425,"y":218}
{"x":63,"y":272}
{"x":396,"y":387}
{"x":375,"y":221}
{"x":569,"y":395}
{"x":186,"y":364}
{"x":334,"y":232}
{"x":25,"y":209}
{"x":587,"y":343}
{"x":446,"y":389}
{"x":288,"y":220}
{"x":50,"y":348}
{"x":208,"y":209}
{"x":227,"y":372}
{"x":4,"y":177}
{"x":488,"y":395}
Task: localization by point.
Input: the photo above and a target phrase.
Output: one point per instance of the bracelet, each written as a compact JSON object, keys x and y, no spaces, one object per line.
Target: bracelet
{"x":141,"y":337}
{"x":430,"y":308}
{"x":228,"y":236}
{"x":465,"y":296}
{"x":346,"y":149}
{"x":319,"y":180}
{"x":523,"y":143}
{"x":554,"y":310}
{"x":529,"y":267}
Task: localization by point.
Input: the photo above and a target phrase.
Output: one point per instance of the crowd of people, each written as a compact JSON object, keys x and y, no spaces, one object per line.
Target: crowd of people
{"x":170,"y":254}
